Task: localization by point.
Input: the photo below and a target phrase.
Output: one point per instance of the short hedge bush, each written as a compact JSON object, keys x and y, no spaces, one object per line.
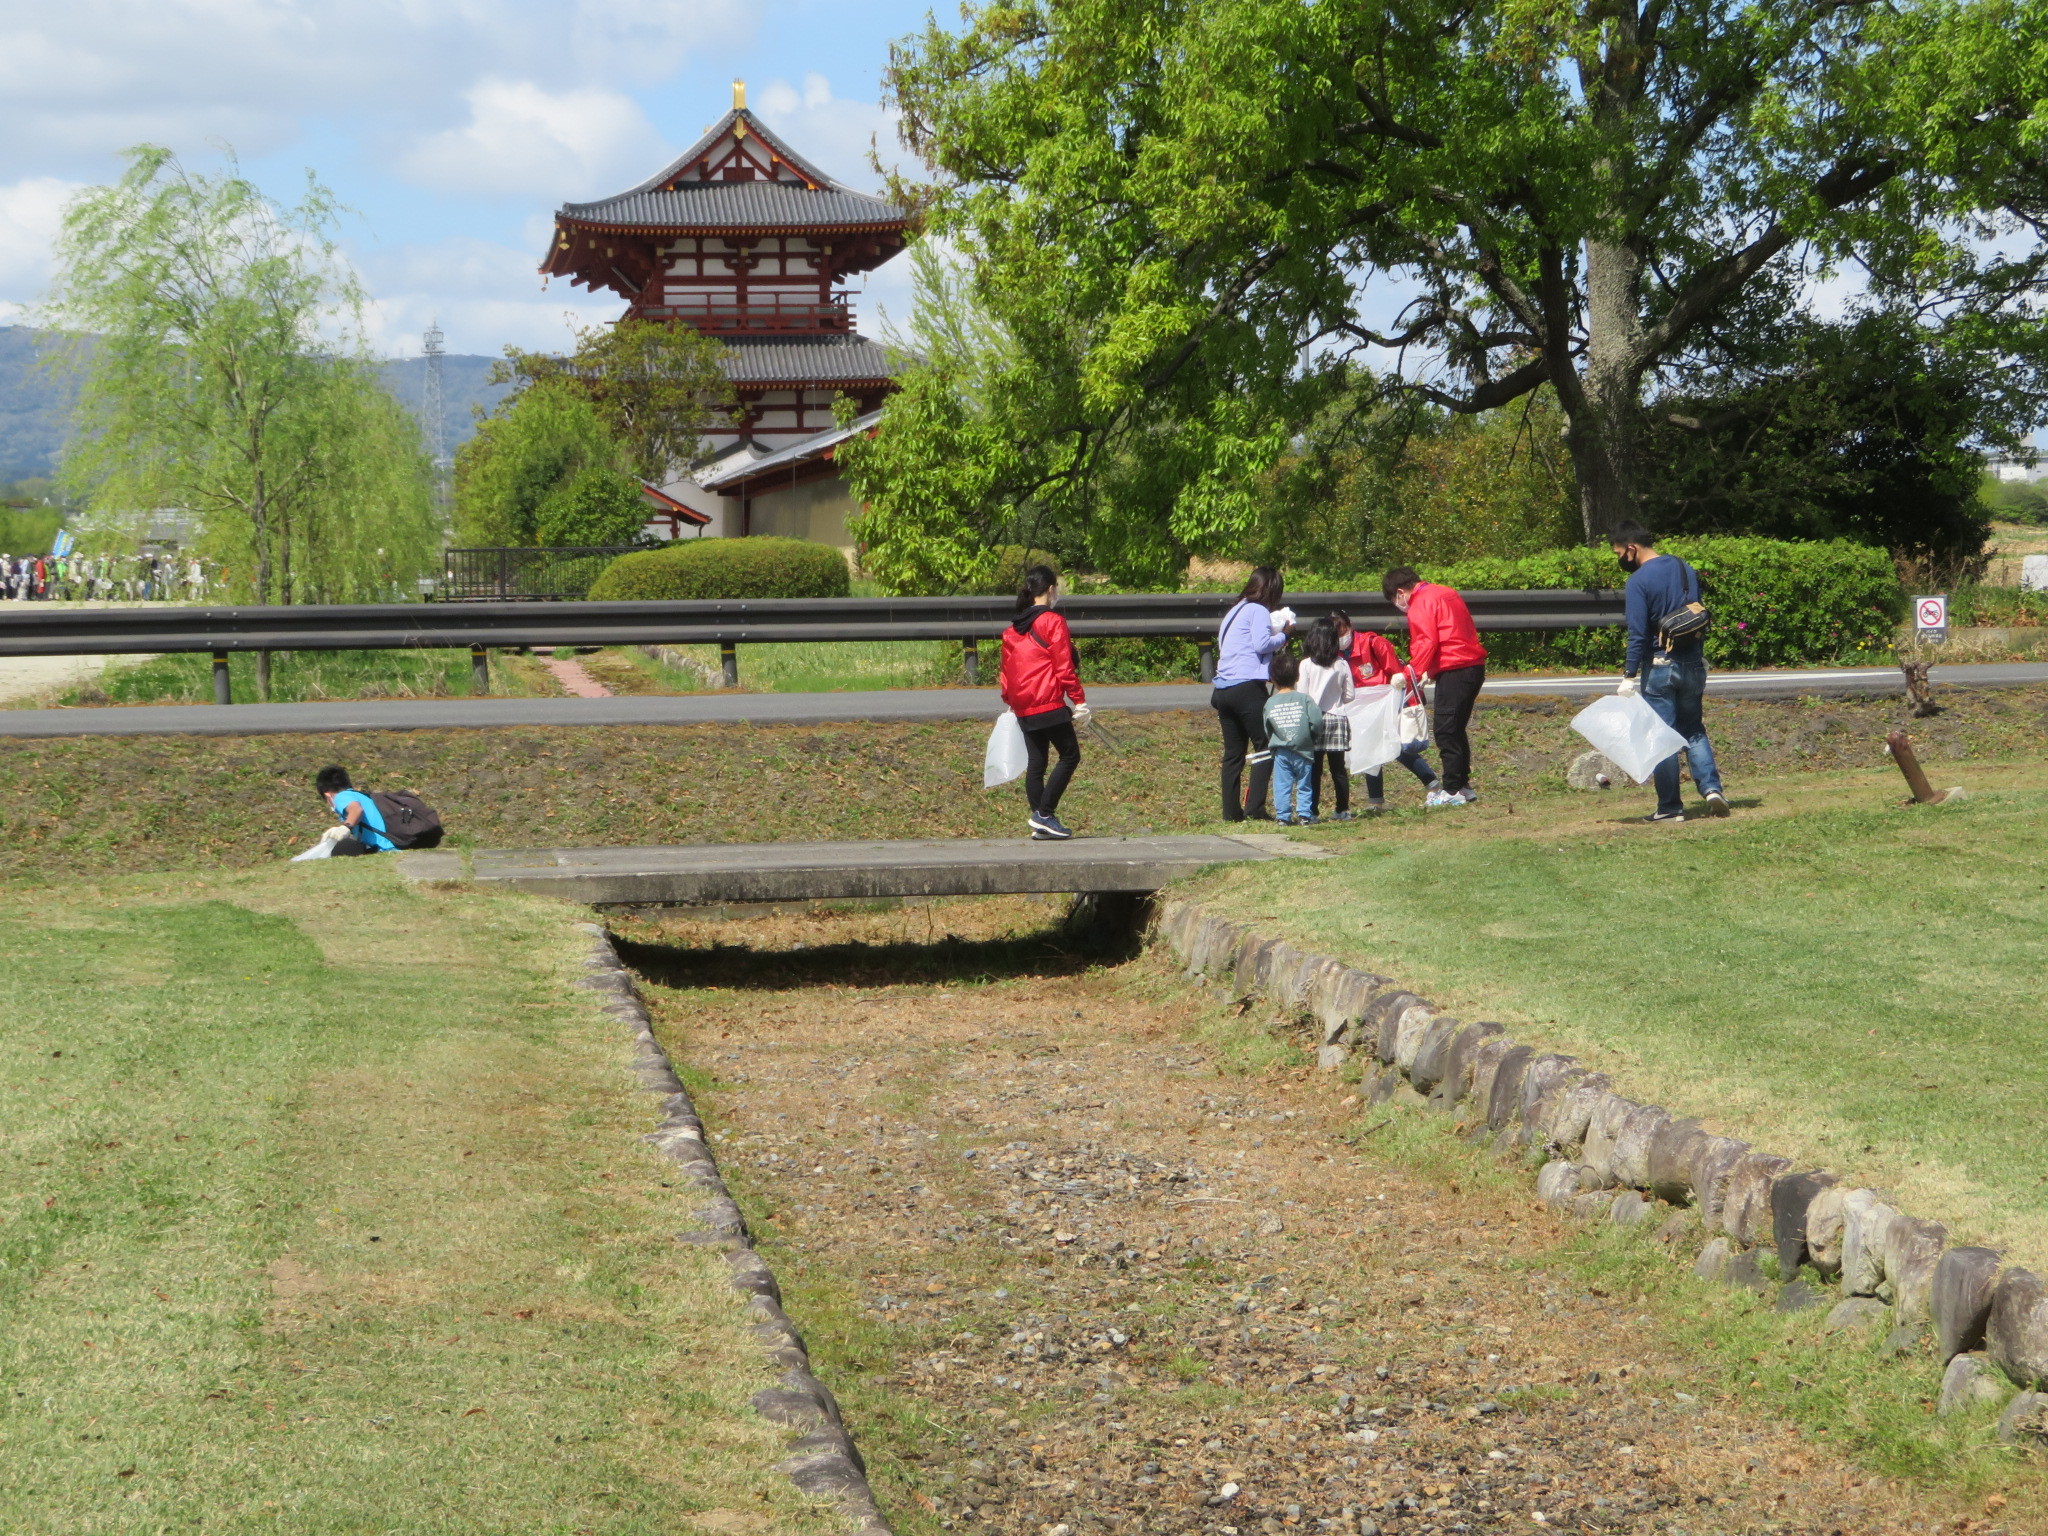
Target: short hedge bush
{"x":724,"y":568}
{"x":1776,"y":603}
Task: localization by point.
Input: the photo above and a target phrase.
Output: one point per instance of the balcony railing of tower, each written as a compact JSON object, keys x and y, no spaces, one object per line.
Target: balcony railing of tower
{"x":766,"y":312}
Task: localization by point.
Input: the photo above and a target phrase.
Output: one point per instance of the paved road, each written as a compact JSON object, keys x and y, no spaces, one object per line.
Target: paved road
{"x":821,"y":708}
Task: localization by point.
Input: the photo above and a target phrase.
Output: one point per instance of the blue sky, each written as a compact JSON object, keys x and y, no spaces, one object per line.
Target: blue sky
{"x":453,"y":127}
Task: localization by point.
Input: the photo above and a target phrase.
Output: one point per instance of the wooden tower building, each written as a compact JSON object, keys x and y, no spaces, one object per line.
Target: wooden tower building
{"x":749,"y":242}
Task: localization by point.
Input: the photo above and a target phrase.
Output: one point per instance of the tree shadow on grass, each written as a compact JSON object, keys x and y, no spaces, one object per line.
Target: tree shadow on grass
{"x":1097,"y":932}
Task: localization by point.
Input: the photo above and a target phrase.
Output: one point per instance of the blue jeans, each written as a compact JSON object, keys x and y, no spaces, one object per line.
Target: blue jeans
{"x":1293,"y":784}
{"x":1673,"y":686}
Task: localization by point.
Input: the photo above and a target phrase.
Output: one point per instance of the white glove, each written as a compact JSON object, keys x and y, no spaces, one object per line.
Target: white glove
{"x":1082,"y":714}
{"x":1629,"y":688}
{"x":1282,"y":618}
{"x":334,"y":834}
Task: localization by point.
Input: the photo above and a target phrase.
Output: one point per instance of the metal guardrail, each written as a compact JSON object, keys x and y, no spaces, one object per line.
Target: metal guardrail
{"x":39,"y":631}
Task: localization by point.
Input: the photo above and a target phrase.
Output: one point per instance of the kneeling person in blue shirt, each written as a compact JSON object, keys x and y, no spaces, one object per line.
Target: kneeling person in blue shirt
{"x":355,"y":811}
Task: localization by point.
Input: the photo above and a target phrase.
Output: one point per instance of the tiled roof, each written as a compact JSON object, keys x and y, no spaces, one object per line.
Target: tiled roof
{"x":810,"y":448}
{"x":808,"y":360}
{"x":738,"y":205}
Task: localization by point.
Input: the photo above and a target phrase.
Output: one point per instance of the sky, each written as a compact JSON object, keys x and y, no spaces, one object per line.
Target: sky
{"x":451,"y":128}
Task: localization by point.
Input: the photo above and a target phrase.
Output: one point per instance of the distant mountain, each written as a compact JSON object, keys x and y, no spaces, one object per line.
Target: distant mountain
{"x":35,"y":404}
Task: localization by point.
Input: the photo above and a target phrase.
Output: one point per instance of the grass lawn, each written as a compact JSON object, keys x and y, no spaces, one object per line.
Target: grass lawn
{"x":304,"y":677}
{"x":326,"y":1211}
{"x":1847,"y":982}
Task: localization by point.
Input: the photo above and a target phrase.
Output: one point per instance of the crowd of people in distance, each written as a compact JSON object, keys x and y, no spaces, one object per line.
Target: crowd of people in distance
{"x":142,"y":578}
{"x":1281,"y":689}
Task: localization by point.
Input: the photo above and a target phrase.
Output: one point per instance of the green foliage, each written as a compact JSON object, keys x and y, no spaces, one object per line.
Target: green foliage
{"x":530,"y":451}
{"x":28,"y":530}
{"x":1136,"y":659}
{"x":722,"y":568}
{"x":1011,"y":562}
{"x":1775,"y":603}
{"x":207,"y":387}
{"x":1179,"y":218}
{"x":599,"y":507}
{"x":2013,"y":501}
{"x":655,"y":388}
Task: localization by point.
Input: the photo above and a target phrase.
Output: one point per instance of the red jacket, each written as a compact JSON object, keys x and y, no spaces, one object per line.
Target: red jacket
{"x":1440,"y":632}
{"x":1372,"y":658}
{"x":1038,"y":668}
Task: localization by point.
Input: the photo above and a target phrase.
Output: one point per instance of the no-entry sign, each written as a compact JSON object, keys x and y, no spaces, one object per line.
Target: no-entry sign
{"x":1930,"y":618}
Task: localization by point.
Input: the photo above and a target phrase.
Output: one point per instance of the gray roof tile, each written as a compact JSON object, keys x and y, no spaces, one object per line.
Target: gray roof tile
{"x":737,"y":205}
{"x":808,"y":360}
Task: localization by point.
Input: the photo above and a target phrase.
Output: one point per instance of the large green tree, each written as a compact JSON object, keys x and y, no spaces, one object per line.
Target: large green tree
{"x":220,"y":339}
{"x":1193,"y":217}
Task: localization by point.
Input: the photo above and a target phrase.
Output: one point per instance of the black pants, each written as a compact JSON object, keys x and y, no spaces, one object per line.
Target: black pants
{"x":1456,"y":692}
{"x":1338,"y":777}
{"x":1042,"y":791}
{"x":1242,"y":709}
{"x":1411,"y":759}
{"x":348,"y":848}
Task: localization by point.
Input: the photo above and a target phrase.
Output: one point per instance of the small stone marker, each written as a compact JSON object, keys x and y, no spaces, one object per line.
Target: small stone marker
{"x":2034,"y":573}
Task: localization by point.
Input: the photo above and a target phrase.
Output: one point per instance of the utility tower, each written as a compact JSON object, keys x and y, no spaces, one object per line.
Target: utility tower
{"x":434,"y":412}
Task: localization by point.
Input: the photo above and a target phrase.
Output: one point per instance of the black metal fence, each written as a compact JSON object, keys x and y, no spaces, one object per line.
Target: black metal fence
{"x":507,"y":575}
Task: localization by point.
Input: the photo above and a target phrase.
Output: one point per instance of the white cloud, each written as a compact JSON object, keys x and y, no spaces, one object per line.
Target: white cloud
{"x":31,"y":212}
{"x":84,"y":78}
{"x":521,"y":139}
{"x":833,"y":133}
{"x":484,"y":294}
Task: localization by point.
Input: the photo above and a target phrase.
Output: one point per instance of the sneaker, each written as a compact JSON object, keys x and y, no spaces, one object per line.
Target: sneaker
{"x":1285,"y":821}
{"x":1666,"y":816}
{"x":1047,"y":829}
{"x":1345,"y":816}
{"x":1375,"y":805}
{"x":1467,"y":796}
{"x":1717,"y":803}
{"x":1438,"y":797}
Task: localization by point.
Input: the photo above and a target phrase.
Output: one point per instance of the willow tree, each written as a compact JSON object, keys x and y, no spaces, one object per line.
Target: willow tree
{"x":1192,"y":215}
{"x":219,"y":335}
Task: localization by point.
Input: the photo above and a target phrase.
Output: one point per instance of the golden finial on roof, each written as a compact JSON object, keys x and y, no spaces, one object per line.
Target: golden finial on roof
{"x":739,"y":95}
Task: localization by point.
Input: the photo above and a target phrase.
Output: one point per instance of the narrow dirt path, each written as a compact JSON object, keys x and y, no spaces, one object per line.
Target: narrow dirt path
{"x":1081,"y":1255}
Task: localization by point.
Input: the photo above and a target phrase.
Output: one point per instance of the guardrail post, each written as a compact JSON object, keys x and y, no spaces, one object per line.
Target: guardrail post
{"x":729,"y":662}
{"x":222,"y":692}
{"x":1207,"y":651}
{"x":970,"y":661}
{"x":479,"y":671}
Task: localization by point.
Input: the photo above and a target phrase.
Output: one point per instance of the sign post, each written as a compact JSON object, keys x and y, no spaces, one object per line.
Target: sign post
{"x":1930,"y":619}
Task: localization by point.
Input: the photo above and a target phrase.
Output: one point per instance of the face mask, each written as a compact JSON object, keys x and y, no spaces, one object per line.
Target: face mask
{"x":1630,"y":563}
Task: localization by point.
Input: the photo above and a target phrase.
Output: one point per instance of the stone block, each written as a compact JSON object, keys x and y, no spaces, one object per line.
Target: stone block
{"x":1714,"y":1160}
{"x":1330,"y":1057}
{"x":1409,"y":1029}
{"x":1865,"y":1221}
{"x":1248,"y":965}
{"x":1746,"y":1202}
{"x":1674,"y":1149}
{"x":1557,"y":1183}
{"x":1791,"y":1195}
{"x":1862,"y":1316}
{"x":1378,"y":1029}
{"x":1824,"y":1230}
{"x":1593,"y":770}
{"x":1505,"y":1099}
{"x":1969,"y":1382}
{"x":1712,"y":1263}
{"x":1912,"y":1252}
{"x":1457,"y":1064}
{"x":1433,"y":1052}
{"x":1568,"y":1121}
{"x":1544,"y":1078}
{"x":1632,"y":1145}
{"x":1628,"y":1209}
{"x":2025,"y":1421}
{"x":1603,"y":1124}
{"x":1485,"y":1064}
{"x":1960,"y":1302}
{"x":2016,"y":1333}
{"x":1797,"y":1296}
{"x":1746,"y":1270}
{"x":1591,"y":1206}
{"x":1288,"y":971}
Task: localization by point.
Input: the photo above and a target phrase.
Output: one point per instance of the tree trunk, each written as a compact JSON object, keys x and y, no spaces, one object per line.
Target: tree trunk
{"x":1603,"y":428}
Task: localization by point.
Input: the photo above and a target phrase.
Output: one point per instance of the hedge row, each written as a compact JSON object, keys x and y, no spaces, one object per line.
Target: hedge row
{"x":724,"y":568}
{"x":1776,"y":603}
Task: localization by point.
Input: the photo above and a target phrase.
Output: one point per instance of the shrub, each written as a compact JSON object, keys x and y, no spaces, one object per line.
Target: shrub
{"x":1776,"y":603}
{"x":1137,"y":659}
{"x":724,"y":568}
{"x":1012,"y":561}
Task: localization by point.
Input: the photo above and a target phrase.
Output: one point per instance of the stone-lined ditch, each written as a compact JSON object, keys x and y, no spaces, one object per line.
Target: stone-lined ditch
{"x":1071,"y":1273}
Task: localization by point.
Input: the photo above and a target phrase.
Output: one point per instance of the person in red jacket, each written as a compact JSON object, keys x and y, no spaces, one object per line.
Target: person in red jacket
{"x":1374,"y":663}
{"x":1444,"y":648}
{"x":1038,"y":679}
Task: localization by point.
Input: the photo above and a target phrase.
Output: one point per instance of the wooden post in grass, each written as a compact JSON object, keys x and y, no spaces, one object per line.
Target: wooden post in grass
{"x":479,"y":671}
{"x":1909,"y":764}
{"x":970,"y":661}
{"x":222,"y":693}
{"x":729,"y":661}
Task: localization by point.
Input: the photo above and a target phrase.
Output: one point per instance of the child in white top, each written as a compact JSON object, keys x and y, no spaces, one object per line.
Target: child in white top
{"x":1326,"y":679}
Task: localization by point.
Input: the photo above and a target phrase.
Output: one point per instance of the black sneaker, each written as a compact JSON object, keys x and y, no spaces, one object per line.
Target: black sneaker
{"x":1717,"y":803}
{"x":1666,"y":816}
{"x":1046,"y":828}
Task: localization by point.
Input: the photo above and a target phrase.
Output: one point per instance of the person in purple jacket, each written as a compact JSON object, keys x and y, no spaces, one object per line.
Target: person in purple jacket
{"x":1252,"y":631}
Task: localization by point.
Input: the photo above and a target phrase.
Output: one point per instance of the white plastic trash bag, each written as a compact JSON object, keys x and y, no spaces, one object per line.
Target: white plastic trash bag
{"x":1005,"y":759}
{"x":1375,"y":729}
{"x":1628,"y":731}
{"x":324,"y":848}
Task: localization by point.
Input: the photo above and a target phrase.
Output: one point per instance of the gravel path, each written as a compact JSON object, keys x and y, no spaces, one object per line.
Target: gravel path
{"x":1073,"y":1276}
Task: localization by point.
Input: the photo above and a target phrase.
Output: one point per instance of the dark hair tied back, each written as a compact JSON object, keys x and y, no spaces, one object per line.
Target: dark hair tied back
{"x":1039,"y":580}
{"x":1264,"y":586}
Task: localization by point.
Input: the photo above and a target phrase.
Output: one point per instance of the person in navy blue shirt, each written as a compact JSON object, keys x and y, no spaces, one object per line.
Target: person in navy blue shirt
{"x":1672,"y":677}
{"x":355,"y":811}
